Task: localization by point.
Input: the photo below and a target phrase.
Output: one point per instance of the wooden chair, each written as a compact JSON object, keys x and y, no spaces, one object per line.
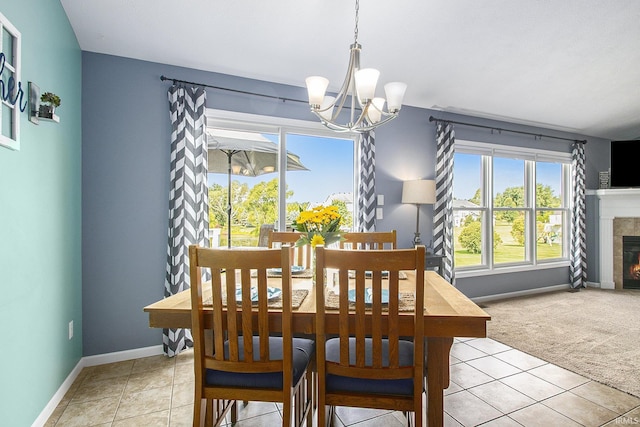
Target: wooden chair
{"x":368,"y":364}
{"x":369,"y":240}
{"x":263,"y":236}
{"x":301,"y":255}
{"x":245,"y":360}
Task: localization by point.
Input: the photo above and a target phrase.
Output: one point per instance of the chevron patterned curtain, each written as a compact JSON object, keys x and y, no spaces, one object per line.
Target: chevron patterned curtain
{"x":443,"y":209}
{"x":578,"y":256}
{"x":367,"y":187}
{"x":188,"y":197}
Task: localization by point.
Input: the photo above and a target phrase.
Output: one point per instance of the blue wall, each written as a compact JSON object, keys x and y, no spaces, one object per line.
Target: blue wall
{"x":126,"y":134}
{"x":40,"y":241}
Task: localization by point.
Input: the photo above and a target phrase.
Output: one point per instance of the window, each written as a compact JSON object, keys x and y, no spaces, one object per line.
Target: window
{"x":12,"y":95}
{"x":510,"y":207}
{"x":320,"y":170}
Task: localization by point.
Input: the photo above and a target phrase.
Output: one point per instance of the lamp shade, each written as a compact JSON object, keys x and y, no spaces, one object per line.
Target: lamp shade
{"x":419,"y":191}
{"x":395,"y":94}
{"x":366,"y":81}
{"x":316,"y":87}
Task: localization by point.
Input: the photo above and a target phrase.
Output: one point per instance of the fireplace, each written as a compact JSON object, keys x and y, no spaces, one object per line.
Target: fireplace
{"x":631,"y":262}
{"x":623,"y":206}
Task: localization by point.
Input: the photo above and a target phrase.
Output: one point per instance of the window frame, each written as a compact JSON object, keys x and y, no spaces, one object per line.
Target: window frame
{"x":282,"y":127}
{"x":487,"y":153}
{"x":15,"y":68}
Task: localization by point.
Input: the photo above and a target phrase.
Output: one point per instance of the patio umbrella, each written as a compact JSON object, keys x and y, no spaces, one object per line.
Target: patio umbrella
{"x":244,"y":153}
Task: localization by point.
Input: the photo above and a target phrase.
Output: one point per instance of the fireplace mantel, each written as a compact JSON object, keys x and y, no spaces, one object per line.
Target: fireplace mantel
{"x":614,"y":203}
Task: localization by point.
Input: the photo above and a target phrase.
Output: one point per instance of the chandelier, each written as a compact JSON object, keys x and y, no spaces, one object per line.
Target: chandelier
{"x":359,"y":85}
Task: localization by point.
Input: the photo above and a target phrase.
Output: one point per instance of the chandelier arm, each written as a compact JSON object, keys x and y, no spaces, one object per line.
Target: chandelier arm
{"x":373,"y":126}
{"x":354,"y":62}
{"x":354,"y":127}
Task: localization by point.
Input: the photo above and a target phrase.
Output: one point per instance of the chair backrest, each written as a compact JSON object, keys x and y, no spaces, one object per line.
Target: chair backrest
{"x":365,"y":278}
{"x":237,"y":276}
{"x":301,"y":255}
{"x":369,"y":240}
{"x":263,"y":237}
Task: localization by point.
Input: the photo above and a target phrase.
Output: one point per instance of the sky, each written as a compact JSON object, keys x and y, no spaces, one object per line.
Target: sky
{"x":507,"y":173}
{"x":330,"y":164}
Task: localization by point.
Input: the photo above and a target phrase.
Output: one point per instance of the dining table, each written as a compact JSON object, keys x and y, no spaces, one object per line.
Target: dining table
{"x":448,"y":313}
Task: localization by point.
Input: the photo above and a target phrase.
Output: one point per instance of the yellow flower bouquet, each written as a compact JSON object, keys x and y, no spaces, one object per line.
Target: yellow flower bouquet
{"x":320,"y":225}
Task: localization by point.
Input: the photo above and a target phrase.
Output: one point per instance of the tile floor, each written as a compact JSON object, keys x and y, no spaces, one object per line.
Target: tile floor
{"x":491,"y":385}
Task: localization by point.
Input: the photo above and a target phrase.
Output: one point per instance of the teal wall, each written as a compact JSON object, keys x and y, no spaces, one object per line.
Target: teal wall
{"x":40,"y":222}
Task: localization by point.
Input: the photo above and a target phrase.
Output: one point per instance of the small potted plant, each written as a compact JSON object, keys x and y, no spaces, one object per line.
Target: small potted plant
{"x":50,"y":101}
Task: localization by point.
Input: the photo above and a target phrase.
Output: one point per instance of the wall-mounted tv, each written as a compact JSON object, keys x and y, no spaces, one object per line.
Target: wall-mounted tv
{"x":624,"y":157}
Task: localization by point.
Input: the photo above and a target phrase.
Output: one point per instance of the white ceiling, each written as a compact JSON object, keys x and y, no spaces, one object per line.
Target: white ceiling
{"x":571,"y":65}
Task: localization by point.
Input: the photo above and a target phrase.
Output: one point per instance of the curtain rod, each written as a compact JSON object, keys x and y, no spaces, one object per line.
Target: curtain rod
{"x":538,"y":135}
{"x":280,"y":98}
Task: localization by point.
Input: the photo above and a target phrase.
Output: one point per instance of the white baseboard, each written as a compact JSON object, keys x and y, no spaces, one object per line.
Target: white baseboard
{"x":520,"y":293}
{"x":99,"y":359}
{"x":119,"y":356}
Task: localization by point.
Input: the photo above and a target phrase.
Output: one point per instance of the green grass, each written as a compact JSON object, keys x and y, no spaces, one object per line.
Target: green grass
{"x":240,"y":236}
{"x":507,"y":252}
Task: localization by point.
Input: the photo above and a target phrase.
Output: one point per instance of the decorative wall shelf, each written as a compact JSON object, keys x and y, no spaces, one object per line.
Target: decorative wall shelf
{"x":53,"y":118}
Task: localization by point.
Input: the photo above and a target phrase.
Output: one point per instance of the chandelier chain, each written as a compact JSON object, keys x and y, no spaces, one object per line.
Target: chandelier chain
{"x":355,"y":31}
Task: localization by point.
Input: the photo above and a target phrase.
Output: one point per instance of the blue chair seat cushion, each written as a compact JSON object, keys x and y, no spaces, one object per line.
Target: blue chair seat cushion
{"x":337,"y":383}
{"x":303,"y":350}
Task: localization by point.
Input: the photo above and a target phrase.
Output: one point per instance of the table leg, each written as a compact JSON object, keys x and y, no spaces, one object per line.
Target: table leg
{"x":437,"y":377}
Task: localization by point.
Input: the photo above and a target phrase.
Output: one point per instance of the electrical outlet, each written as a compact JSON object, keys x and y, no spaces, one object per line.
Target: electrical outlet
{"x":71,"y":329}
{"x":379,"y":214}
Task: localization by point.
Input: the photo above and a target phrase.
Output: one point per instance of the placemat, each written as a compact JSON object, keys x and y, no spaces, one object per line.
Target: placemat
{"x":405,"y":302}
{"x":297,"y":296}
{"x":304,"y":274}
{"x":401,"y":275}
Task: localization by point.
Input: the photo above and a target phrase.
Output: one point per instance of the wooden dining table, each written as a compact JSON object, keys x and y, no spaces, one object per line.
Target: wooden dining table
{"x":448,"y":314}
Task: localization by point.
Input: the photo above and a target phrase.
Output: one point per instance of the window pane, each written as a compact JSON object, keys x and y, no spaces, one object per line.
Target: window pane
{"x":319,"y":171}
{"x":7,"y":121}
{"x":467,"y":172}
{"x":254,"y":185}
{"x":508,"y":182}
{"x":548,"y":185}
{"x":549,"y":226}
{"x":328,"y":180}
{"x":7,"y":46}
{"x":468,"y":238}
{"x":509,"y":236}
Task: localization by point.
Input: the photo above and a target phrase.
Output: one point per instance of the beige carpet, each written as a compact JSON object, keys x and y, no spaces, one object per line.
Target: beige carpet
{"x":594,"y":332}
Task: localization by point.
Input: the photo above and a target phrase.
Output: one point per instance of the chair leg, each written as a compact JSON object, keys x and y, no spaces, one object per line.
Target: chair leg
{"x":234,"y":411}
{"x":310,"y":397}
{"x":332,"y":414}
{"x":199,"y":411}
{"x":286,"y":413}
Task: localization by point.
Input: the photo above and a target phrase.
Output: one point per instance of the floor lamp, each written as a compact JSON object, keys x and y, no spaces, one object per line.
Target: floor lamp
{"x":419,"y":192}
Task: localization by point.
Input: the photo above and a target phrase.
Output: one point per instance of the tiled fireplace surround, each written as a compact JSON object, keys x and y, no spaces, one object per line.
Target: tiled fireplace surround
{"x":619,"y":214}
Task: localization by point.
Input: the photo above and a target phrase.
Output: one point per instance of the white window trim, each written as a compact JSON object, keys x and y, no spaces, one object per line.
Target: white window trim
{"x":16,"y":68}
{"x":488,"y":149}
